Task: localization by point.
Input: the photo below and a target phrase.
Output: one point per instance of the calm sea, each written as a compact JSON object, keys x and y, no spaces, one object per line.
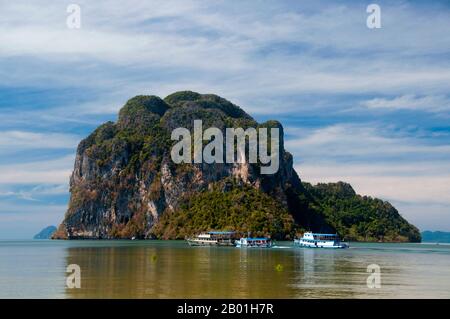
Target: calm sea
{"x":172,"y":269}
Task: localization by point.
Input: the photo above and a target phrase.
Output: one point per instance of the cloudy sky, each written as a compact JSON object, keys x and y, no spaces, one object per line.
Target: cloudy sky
{"x":366,"y":106}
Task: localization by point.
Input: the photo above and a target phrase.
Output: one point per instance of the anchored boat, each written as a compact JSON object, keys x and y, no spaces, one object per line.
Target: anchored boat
{"x":315,"y":240}
{"x":212,"y":238}
{"x":249,"y":242}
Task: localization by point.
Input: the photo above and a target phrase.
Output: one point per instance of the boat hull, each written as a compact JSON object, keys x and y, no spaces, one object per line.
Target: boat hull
{"x":251,"y":244}
{"x":247,"y":246}
{"x":319,"y":244}
{"x":199,"y":242}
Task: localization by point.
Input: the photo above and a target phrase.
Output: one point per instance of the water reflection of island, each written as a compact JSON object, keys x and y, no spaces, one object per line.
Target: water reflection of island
{"x":175,"y":270}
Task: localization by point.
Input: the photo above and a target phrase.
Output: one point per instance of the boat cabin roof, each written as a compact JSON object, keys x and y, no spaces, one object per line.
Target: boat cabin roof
{"x":221,"y":232}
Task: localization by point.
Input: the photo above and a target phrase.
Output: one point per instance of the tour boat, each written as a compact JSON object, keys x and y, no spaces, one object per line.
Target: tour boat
{"x":249,"y":242}
{"x":314,"y":240}
{"x":212,"y":238}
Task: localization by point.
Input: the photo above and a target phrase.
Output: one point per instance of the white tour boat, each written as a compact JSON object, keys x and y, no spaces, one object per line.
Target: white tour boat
{"x":212,"y":238}
{"x":248,"y":242}
{"x":315,"y":240}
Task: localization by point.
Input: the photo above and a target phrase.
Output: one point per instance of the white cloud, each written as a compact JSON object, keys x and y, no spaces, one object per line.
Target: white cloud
{"x":8,"y":193}
{"x":14,"y":140}
{"x":34,"y":193}
{"x":55,"y":171}
{"x":241,"y":56}
{"x":411,"y":183}
{"x":360,"y":142}
{"x":430,"y":103}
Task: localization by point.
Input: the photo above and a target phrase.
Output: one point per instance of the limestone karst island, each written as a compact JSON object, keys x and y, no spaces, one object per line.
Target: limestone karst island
{"x":125,"y":185}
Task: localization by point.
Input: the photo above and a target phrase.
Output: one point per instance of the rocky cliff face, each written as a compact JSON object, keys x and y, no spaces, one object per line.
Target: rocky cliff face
{"x":125,"y":184}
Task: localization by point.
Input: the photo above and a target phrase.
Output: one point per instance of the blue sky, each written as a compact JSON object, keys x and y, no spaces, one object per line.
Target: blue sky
{"x":366,"y":106}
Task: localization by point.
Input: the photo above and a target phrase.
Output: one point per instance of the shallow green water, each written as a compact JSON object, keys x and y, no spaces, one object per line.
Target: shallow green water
{"x":172,"y":269}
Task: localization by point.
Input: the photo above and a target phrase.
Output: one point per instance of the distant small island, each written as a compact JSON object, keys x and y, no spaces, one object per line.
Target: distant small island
{"x":46,"y":233}
{"x":436,"y":236}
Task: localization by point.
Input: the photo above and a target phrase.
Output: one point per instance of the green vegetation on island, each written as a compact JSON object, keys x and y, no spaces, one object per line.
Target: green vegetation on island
{"x":228,"y":206}
{"x":360,"y":218}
